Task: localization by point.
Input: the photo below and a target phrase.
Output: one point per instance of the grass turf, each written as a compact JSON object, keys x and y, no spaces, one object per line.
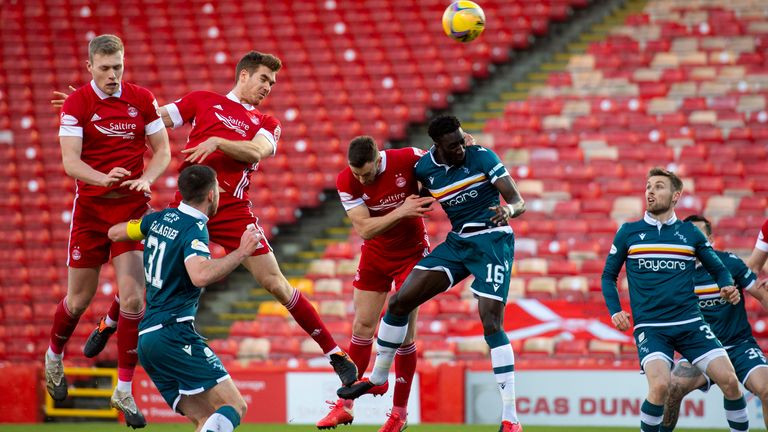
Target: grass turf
{"x":179,"y":427}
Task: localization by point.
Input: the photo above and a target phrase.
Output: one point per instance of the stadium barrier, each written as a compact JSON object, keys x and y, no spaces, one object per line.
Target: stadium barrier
{"x":448,"y":393}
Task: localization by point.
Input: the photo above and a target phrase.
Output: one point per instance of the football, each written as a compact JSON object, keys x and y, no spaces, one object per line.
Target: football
{"x":463,"y":21}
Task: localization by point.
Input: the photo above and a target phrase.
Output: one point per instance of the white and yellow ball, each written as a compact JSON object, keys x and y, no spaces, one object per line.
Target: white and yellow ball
{"x":463,"y":21}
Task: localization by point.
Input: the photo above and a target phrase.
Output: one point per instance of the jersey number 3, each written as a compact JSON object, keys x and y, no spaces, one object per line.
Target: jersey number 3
{"x":154,"y":262}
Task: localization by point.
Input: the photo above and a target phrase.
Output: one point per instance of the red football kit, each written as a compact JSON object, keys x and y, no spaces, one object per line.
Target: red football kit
{"x":391,"y":255}
{"x":215,"y":115}
{"x":114,"y":130}
{"x":762,"y":238}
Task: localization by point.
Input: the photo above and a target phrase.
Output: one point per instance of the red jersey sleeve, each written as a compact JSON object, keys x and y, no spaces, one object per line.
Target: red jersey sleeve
{"x":71,"y":119}
{"x":415,"y":154}
{"x":149,"y":110}
{"x":184,"y":110}
{"x":270,"y":129}
{"x":349,"y":195}
{"x":762,"y":238}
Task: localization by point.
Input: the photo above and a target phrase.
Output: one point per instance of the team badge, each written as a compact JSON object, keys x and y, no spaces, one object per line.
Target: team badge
{"x":400,"y":181}
{"x":76,"y":255}
{"x":277,"y":133}
{"x":133,"y":112}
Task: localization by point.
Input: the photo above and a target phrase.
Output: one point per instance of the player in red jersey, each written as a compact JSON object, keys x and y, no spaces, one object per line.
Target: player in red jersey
{"x":231,"y":136}
{"x":380,"y":194}
{"x":759,"y":256}
{"x":103,"y":128}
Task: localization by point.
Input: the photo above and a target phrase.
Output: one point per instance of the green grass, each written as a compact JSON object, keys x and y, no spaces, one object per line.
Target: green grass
{"x":179,"y":427}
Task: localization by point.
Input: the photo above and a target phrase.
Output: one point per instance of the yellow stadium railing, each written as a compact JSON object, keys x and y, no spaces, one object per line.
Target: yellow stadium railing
{"x":53,"y":411}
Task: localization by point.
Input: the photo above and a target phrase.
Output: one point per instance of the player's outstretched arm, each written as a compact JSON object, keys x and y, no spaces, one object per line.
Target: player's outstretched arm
{"x":161,"y":157}
{"x":126,"y":231}
{"x":203,"y":271}
{"x":244,"y":151}
{"x":369,"y":227}
{"x":71,"y":149}
{"x":515,"y":202}
{"x":760,"y":292}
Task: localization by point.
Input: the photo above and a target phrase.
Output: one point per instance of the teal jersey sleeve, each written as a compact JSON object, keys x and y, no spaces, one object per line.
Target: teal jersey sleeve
{"x":146,"y":222}
{"x":742,"y":275}
{"x":613,"y":264}
{"x":491,"y":165}
{"x":196,"y":242}
{"x":709,"y":259}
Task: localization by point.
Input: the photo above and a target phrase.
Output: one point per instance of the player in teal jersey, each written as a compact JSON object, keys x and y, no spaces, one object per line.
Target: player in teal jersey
{"x":660,"y":253}
{"x":729,"y":323}
{"x":467,"y":181}
{"x":177,"y":264}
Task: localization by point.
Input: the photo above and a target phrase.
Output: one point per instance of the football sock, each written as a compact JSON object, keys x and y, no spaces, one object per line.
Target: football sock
{"x":225,"y":419}
{"x":736,"y":413}
{"x":64,"y":323}
{"x":405,"y":367}
{"x":663,"y":428}
{"x":127,"y":341}
{"x":309,"y":320}
{"x":503,"y":362}
{"x":650,"y":416}
{"x":392,"y":332}
{"x":114,"y":313}
{"x":360,"y":353}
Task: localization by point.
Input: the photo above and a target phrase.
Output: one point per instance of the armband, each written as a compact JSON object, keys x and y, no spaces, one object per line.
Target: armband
{"x":133,"y":229}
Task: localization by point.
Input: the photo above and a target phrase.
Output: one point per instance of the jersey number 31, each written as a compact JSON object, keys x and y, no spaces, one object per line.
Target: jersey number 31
{"x":154,"y":262}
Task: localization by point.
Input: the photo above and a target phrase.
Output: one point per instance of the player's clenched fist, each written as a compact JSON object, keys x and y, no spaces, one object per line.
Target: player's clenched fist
{"x":621,"y":320}
{"x":730,"y":294}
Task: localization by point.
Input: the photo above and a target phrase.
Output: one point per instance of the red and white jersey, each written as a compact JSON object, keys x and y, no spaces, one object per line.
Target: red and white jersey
{"x":394,"y":182}
{"x":215,"y":115}
{"x":762,"y":238}
{"x":113,"y":129}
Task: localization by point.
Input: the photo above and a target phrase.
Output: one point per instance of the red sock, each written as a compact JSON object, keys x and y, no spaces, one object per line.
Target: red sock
{"x":64,"y":324}
{"x":114,"y":309}
{"x":309,"y":320}
{"x":360,"y":353}
{"x":127,"y":341}
{"x":405,"y":368}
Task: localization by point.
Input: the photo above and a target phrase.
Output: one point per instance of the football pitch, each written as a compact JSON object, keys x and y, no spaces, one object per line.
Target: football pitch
{"x":115,"y":427}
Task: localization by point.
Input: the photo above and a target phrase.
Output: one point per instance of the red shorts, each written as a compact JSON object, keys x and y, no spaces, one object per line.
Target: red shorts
{"x":92,"y":217}
{"x":230,"y":221}
{"x":376,"y":272}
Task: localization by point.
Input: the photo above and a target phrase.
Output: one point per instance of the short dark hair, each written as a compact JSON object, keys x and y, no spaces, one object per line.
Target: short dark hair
{"x":106,"y":44}
{"x":677,"y":184}
{"x":253,"y":60}
{"x":699,"y":218}
{"x":195,"y":182}
{"x":441,"y":125}
{"x":362,"y":150}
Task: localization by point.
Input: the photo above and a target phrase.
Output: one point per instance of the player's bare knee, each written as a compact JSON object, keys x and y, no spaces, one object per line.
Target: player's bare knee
{"x":131,"y":303}
{"x":397,"y":307}
{"x":364,"y":328}
{"x":278,"y":286}
{"x":729,"y":384}
{"x":659,"y":390}
{"x":78,"y":304}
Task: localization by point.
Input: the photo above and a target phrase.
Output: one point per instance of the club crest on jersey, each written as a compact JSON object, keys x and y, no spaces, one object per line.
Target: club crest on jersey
{"x":400,"y":181}
{"x":76,"y":255}
{"x":132,"y":111}
{"x":277,"y":133}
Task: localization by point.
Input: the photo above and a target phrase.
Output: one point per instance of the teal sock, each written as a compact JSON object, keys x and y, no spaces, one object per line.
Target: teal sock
{"x":225,"y":419}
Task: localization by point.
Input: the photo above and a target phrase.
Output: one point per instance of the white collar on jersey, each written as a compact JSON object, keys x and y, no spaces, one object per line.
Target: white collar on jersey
{"x":189,"y":210}
{"x":432,"y":156}
{"x":103,"y":95}
{"x":231,"y":96}
{"x":383,"y":165}
{"x":650,"y":220}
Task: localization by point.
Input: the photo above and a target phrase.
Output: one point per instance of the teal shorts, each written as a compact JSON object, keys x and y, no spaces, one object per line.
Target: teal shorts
{"x":179,"y":362}
{"x":487,"y":256}
{"x":746,"y":357}
{"x":694,"y":341}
